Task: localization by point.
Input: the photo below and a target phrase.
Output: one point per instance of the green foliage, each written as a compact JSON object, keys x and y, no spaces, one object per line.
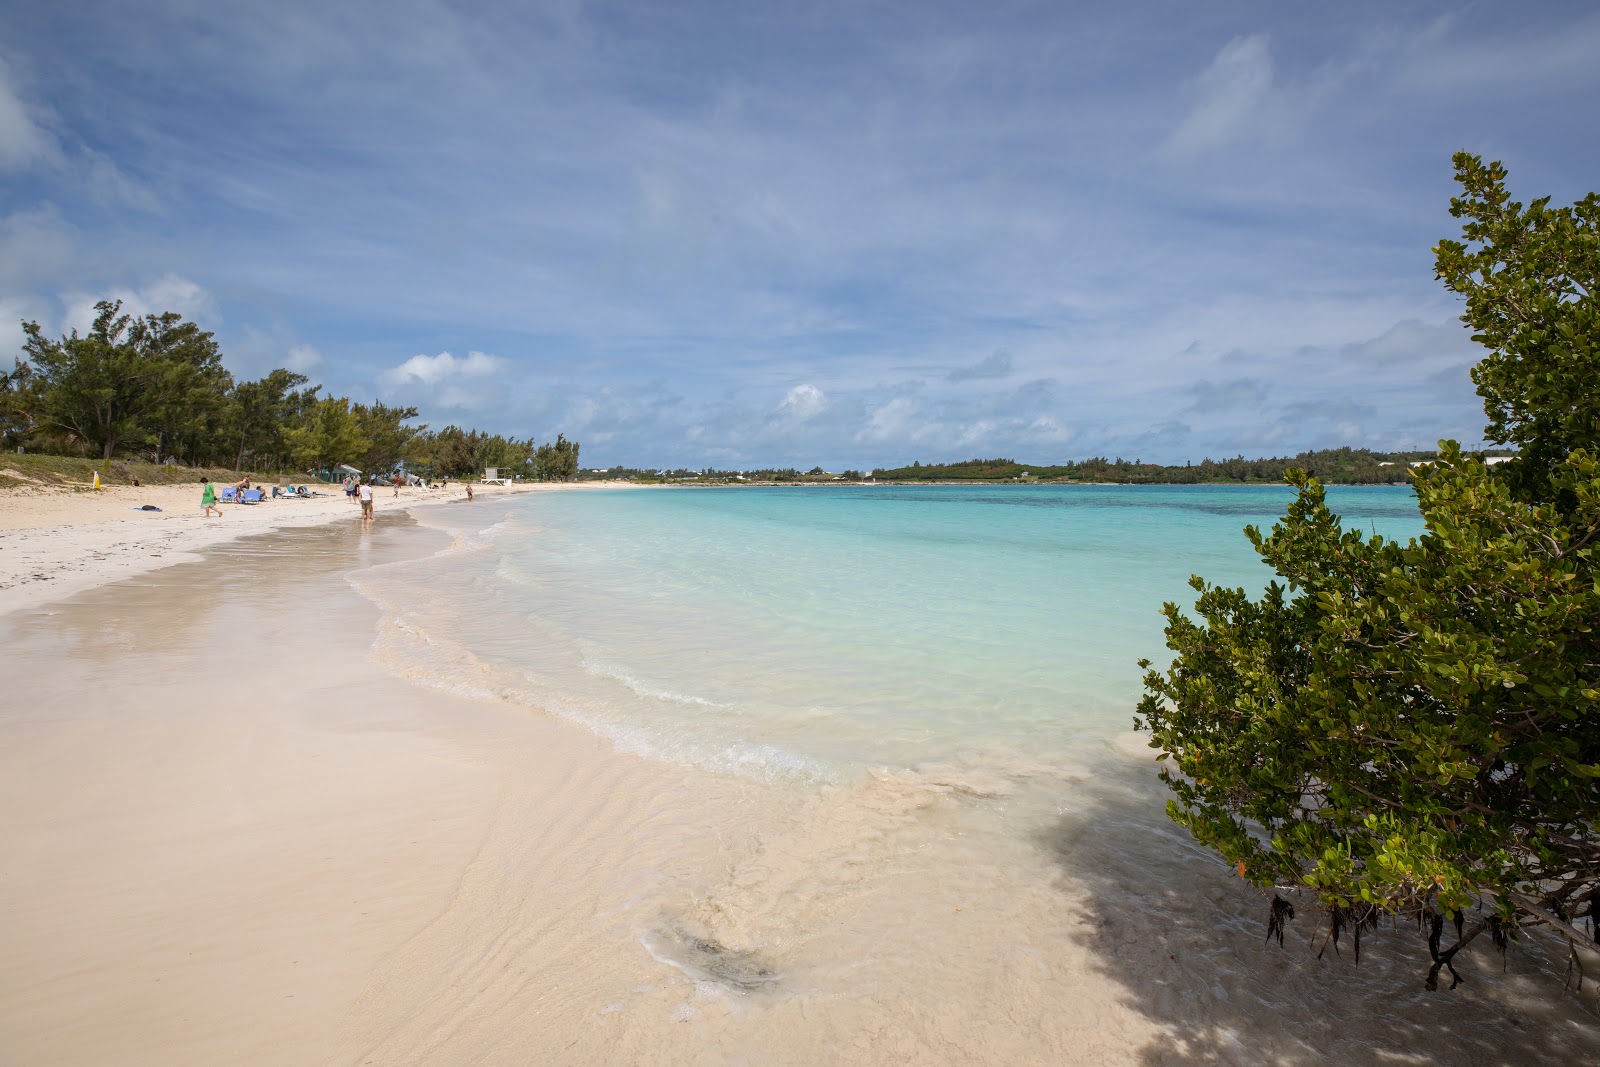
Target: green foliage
{"x":330,"y":432}
{"x":1332,"y":466}
{"x":382,"y":436}
{"x":19,"y":403}
{"x":456,"y":453}
{"x":126,"y":378}
{"x":1415,"y":728}
{"x":557,"y":461}
{"x":261,"y":409}
{"x":1529,"y":277}
{"x":158,"y":384}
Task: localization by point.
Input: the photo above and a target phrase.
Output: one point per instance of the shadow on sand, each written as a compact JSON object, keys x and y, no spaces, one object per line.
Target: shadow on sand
{"x":1183,"y":938}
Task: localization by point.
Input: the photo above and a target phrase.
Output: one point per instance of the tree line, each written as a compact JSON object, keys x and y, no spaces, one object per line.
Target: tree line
{"x":155,"y":386}
{"x":1333,"y":466}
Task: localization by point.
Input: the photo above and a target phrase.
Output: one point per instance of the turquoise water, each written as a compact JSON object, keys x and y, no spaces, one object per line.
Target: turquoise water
{"x":810,"y":632}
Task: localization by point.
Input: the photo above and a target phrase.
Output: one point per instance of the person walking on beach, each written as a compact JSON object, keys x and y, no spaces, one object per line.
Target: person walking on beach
{"x":469,"y":492}
{"x":366,"y":500}
{"x":208,"y":499}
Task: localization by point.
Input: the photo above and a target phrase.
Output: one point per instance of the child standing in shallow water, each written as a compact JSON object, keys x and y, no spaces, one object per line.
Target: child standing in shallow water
{"x":208,"y":499}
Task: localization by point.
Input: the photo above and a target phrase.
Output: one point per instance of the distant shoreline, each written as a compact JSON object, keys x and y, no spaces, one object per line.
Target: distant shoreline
{"x":687,"y":484}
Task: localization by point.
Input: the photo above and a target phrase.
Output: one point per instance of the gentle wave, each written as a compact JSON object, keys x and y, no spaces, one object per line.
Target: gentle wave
{"x":606,"y":671}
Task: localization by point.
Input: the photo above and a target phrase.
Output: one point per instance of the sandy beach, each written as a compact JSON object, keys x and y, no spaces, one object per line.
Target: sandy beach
{"x":237,"y":830}
{"x":56,"y":541}
{"x":235,"y":835}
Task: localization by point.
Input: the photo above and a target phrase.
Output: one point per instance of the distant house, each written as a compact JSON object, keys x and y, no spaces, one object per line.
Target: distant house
{"x":336,"y":472}
{"x":1488,"y":461}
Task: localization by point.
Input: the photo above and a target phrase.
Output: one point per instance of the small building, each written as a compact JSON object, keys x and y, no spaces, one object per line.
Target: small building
{"x":334,"y":472}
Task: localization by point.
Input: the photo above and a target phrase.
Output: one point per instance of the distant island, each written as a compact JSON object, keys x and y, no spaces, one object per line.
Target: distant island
{"x":1333,"y":466}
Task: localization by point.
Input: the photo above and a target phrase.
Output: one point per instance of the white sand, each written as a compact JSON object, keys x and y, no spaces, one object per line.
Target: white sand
{"x":55,"y":542}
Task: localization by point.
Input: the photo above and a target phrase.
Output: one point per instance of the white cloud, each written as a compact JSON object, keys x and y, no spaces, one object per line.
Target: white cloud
{"x":303,"y":358}
{"x":892,"y":420}
{"x":1048,"y":430}
{"x":170,"y":292}
{"x":803,"y":402}
{"x":431,"y":370}
{"x":1232,"y":92}
{"x":22,"y":141}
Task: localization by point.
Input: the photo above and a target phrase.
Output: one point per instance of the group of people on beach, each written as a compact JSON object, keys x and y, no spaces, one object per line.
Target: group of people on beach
{"x":358,"y":491}
{"x":355,"y":490}
{"x":208,"y":495}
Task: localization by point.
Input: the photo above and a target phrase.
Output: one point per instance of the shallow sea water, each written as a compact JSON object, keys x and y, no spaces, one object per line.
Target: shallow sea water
{"x":936,"y":830}
{"x":815,"y":632}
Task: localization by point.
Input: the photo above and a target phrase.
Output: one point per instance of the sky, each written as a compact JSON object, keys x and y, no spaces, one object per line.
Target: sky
{"x":852,"y":234}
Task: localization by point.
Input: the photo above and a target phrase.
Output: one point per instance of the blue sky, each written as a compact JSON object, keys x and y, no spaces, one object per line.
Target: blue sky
{"x":853,"y":234}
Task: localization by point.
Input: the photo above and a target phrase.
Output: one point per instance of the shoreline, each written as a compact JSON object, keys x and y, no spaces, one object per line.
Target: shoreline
{"x":214,"y":859}
{"x":58,"y":542}
{"x":241,"y":831}
{"x":291,"y":869}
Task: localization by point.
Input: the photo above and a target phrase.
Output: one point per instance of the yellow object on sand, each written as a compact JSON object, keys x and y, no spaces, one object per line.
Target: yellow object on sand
{"x":97,"y":479}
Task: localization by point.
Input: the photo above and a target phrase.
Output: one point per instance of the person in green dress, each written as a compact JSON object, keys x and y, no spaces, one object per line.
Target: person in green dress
{"x":208,"y":499}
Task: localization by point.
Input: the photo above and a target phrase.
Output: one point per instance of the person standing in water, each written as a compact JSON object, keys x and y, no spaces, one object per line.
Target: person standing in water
{"x":208,"y":499}
{"x":365,"y":492}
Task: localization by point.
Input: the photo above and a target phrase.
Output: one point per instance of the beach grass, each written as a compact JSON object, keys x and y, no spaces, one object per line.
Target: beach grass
{"x":19,"y":470}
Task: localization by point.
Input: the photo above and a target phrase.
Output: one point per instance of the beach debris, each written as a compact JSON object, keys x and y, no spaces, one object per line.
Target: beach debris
{"x":1354,"y":917}
{"x":145,"y":507}
{"x":705,"y":958}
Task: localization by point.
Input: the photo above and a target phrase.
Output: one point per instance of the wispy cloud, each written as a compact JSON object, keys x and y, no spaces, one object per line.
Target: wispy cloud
{"x":1230,"y":96}
{"x":22,"y":140}
{"x":996,"y":365}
